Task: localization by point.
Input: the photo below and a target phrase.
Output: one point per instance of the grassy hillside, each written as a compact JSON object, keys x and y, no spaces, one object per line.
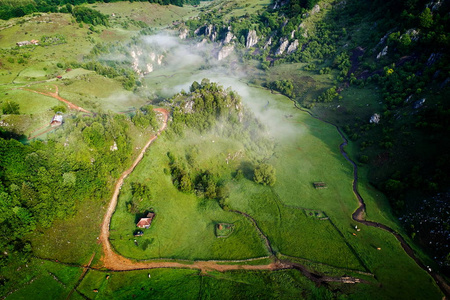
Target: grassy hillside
{"x":200,"y":173}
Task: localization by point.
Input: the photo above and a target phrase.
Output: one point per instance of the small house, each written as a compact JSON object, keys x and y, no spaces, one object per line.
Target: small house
{"x":24,"y":43}
{"x":146,"y":222}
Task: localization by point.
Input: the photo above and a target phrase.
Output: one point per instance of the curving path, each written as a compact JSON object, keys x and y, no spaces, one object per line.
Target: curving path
{"x":115,"y":262}
{"x":58,"y":97}
{"x":359,"y":213}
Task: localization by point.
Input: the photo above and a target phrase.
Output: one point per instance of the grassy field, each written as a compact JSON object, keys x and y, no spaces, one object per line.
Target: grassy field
{"x":154,"y":15}
{"x":46,"y":280}
{"x":190,"y":219}
{"x":188,"y":284}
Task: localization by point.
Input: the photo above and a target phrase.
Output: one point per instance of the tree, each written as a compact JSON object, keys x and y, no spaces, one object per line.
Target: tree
{"x":264,"y":174}
{"x":10,"y":108}
{"x":426,"y":18}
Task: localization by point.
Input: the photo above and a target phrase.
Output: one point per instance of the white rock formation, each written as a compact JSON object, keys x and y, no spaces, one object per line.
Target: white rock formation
{"x":375,"y":119}
{"x":383,"y":52}
{"x":183,"y":33}
{"x":228,"y":38}
{"x":252,"y":39}
{"x":114,"y":147}
{"x":292,"y":47}
{"x":209,"y":30}
{"x":413,"y":34}
{"x":419,"y":104}
{"x":160,"y":58}
{"x":284,"y":42}
{"x":149,"y":68}
{"x":225,"y":52}
{"x":315,"y":9}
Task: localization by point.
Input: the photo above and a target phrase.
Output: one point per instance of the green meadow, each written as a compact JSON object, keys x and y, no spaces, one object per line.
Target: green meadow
{"x":303,"y":224}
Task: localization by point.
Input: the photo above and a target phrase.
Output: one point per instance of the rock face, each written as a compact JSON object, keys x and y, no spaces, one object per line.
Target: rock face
{"x":183,"y":33}
{"x":315,"y":9}
{"x":225,"y":51}
{"x":375,"y":119}
{"x":252,"y":39}
{"x":292,"y":47}
{"x":228,"y":38}
{"x":383,"y":52}
{"x":283,"y":45}
{"x":203,"y":42}
{"x":268,"y":43}
{"x":209,"y":30}
{"x":302,"y":26}
{"x":419,"y":104}
{"x":413,"y":34}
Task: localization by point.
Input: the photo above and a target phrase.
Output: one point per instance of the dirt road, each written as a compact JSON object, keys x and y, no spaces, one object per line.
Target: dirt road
{"x":359,"y":215}
{"x":58,"y":97}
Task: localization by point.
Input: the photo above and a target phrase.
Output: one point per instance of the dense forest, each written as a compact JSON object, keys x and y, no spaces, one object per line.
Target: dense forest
{"x":44,"y":181}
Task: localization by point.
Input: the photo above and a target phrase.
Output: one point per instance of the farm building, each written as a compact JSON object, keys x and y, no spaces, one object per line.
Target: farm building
{"x":146,"y":222}
{"x":57,"y":120}
{"x":320,"y":185}
{"x":27,"y":43}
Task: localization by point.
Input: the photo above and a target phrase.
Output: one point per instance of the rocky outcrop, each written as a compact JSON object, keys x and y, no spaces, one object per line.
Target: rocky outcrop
{"x":375,"y":119}
{"x":302,"y":26}
{"x":225,"y":52}
{"x":183,"y":33}
{"x":268,"y":43}
{"x":203,"y":42}
{"x":419,"y":104}
{"x":315,"y":9}
{"x":292,"y":47}
{"x":413,"y":34}
{"x":383,"y":52}
{"x":252,"y":39}
{"x":228,"y":38}
{"x":209,"y":30}
{"x":435,"y":5}
{"x":284,"y":42}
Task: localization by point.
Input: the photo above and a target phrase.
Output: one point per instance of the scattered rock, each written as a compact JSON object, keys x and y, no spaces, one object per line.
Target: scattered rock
{"x":114,"y":147}
{"x":225,"y":52}
{"x":375,"y":119}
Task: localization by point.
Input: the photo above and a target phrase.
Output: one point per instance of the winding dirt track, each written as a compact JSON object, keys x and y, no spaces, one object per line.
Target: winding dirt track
{"x":58,"y":97}
{"x":115,"y":262}
{"x":359,"y":214}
